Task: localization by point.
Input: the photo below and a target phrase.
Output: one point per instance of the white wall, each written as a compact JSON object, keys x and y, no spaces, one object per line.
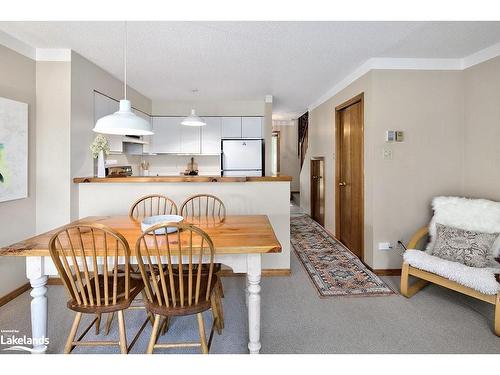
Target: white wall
{"x":53,"y":111}
{"x":482,"y":130}
{"x":175,"y":164}
{"x":289,"y":158}
{"x":17,"y":82}
{"x":240,"y":198}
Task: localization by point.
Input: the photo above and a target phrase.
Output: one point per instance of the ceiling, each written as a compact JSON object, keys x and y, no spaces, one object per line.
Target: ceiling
{"x":296,"y":62}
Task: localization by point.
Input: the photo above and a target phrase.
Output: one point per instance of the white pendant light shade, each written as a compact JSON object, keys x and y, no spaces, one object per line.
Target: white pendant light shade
{"x":193,"y":120}
{"x":123,"y":122}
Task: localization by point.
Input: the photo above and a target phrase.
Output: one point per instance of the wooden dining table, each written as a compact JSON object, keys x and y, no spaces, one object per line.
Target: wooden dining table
{"x":239,"y":241}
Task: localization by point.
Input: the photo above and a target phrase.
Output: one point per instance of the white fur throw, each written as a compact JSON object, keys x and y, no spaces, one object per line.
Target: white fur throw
{"x":481,"y":279}
{"x":479,"y":215}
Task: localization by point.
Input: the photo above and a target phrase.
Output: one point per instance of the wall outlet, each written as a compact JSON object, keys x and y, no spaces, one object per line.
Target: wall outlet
{"x":384,"y":246}
{"x":387,"y":154}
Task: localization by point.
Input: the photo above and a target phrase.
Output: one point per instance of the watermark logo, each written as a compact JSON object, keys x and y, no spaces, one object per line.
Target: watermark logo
{"x":24,"y":343}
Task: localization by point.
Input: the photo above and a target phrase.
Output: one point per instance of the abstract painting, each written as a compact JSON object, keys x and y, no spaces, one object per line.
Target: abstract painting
{"x":13,"y":150}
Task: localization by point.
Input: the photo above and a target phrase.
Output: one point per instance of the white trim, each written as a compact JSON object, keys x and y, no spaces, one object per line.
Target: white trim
{"x":16,"y":45}
{"x":415,"y":64}
{"x":53,"y":54}
{"x":383,"y":63}
{"x":481,"y":56}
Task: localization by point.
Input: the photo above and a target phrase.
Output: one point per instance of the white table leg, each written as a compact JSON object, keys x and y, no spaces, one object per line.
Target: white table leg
{"x":38,"y":280}
{"x":246,"y":291}
{"x":253,"y":280}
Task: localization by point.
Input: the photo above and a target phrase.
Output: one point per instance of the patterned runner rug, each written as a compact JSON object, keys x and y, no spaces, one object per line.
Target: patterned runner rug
{"x":334,"y":270}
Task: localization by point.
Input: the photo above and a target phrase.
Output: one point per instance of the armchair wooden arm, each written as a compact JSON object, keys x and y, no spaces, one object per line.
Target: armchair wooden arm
{"x":417,"y":237}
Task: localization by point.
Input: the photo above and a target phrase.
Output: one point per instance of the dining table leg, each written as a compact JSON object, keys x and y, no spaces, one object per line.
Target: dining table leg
{"x":253,"y":281}
{"x":38,"y":280}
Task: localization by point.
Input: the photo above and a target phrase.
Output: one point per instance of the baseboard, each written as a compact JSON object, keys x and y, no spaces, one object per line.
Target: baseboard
{"x":387,"y":272}
{"x":224,"y":273}
{"x":15,"y":293}
{"x":54,"y":281}
{"x":265,"y":272}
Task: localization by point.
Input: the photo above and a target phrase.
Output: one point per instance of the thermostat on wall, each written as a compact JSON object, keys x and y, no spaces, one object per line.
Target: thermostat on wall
{"x":394,"y":136}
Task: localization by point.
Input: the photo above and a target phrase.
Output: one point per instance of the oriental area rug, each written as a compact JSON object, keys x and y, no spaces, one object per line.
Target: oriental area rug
{"x":333,"y":269}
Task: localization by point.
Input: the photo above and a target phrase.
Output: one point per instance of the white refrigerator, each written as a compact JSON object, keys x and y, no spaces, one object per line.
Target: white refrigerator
{"x":242,"y":157}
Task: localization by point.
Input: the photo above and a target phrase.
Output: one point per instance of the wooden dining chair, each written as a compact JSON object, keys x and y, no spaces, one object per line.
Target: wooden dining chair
{"x":207,"y":209}
{"x":150,"y":205}
{"x":183,"y":290}
{"x":204,"y":205}
{"x":86,"y":257}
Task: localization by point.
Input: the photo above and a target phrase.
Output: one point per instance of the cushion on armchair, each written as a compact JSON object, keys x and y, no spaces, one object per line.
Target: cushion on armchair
{"x":464,"y":246}
{"x":481,"y":279}
{"x":478,"y":215}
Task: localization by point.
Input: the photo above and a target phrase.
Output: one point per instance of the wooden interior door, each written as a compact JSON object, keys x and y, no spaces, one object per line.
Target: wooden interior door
{"x":317,"y":191}
{"x":349,"y":175}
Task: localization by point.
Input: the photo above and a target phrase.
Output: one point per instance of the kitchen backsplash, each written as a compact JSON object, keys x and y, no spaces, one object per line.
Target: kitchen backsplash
{"x":169,"y":164}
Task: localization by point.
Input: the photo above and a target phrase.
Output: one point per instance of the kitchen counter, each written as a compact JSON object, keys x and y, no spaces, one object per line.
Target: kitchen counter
{"x":145,"y":179}
{"x":267,"y":195}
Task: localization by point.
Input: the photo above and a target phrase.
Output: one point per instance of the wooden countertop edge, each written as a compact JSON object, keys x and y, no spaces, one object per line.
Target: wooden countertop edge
{"x":137,"y":179}
{"x":26,"y":252}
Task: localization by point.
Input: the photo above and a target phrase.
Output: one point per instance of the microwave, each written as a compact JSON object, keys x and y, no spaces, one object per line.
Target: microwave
{"x":119,"y":171}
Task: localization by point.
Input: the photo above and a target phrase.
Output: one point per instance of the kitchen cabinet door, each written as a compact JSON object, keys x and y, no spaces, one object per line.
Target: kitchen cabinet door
{"x":251,"y":127}
{"x":104,"y":106}
{"x":190,"y":139}
{"x":146,"y":148}
{"x":167,"y":135}
{"x":211,"y":135}
{"x":231,"y":127}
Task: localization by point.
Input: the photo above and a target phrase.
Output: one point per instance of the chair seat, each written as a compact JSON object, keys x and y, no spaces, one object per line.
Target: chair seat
{"x":136,"y":286}
{"x":187,"y":308}
{"x":481,"y":279}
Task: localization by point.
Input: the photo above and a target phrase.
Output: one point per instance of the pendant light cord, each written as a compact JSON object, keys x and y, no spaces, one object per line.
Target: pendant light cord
{"x":125,"y":61}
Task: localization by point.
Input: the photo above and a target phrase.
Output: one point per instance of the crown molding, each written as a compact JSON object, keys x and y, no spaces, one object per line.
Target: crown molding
{"x":53,"y":54}
{"x":17,"y":46}
{"x":389,"y":63}
{"x":481,"y":56}
{"x":37,"y":54}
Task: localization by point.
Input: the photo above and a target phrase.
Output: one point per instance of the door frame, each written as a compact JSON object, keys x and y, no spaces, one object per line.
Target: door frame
{"x":321,"y":159}
{"x":277,"y":134}
{"x":357,"y":99}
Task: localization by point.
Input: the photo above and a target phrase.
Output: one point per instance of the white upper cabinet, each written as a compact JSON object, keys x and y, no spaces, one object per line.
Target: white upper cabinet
{"x":251,"y":127}
{"x":104,"y":106}
{"x":231,"y":127}
{"x":211,"y":135}
{"x":146,"y":148}
{"x":190,"y":139}
{"x":167,"y":135}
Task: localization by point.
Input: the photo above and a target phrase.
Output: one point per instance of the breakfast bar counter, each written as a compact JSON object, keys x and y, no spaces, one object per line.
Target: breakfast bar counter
{"x":146,"y":179}
{"x":266,"y":195}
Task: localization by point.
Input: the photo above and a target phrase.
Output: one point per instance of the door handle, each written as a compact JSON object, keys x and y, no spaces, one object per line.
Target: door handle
{"x":342,"y":183}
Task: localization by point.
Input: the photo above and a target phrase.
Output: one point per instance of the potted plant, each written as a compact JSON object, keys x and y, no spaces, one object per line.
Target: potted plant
{"x":99,"y":148}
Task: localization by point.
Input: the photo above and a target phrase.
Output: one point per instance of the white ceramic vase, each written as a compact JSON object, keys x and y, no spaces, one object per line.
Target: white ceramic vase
{"x":100,"y":165}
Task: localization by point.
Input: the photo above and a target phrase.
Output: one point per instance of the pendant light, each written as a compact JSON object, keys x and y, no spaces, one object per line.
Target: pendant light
{"x":124,"y":121}
{"x":193,"y":120}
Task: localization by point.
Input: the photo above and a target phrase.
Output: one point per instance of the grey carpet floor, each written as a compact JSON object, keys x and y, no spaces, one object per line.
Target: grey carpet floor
{"x":296,"y":320}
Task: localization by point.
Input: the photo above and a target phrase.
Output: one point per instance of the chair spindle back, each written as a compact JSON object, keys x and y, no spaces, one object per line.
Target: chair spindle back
{"x":204,"y":205}
{"x":84,"y":255}
{"x":150,"y":205}
{"x":183,"y":253}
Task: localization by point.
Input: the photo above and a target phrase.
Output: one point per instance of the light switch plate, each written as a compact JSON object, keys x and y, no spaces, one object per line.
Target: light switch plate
{"x":387,"y":154}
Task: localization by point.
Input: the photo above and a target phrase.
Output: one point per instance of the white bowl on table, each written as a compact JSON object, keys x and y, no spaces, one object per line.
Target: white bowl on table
{"x":151,"y":221}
